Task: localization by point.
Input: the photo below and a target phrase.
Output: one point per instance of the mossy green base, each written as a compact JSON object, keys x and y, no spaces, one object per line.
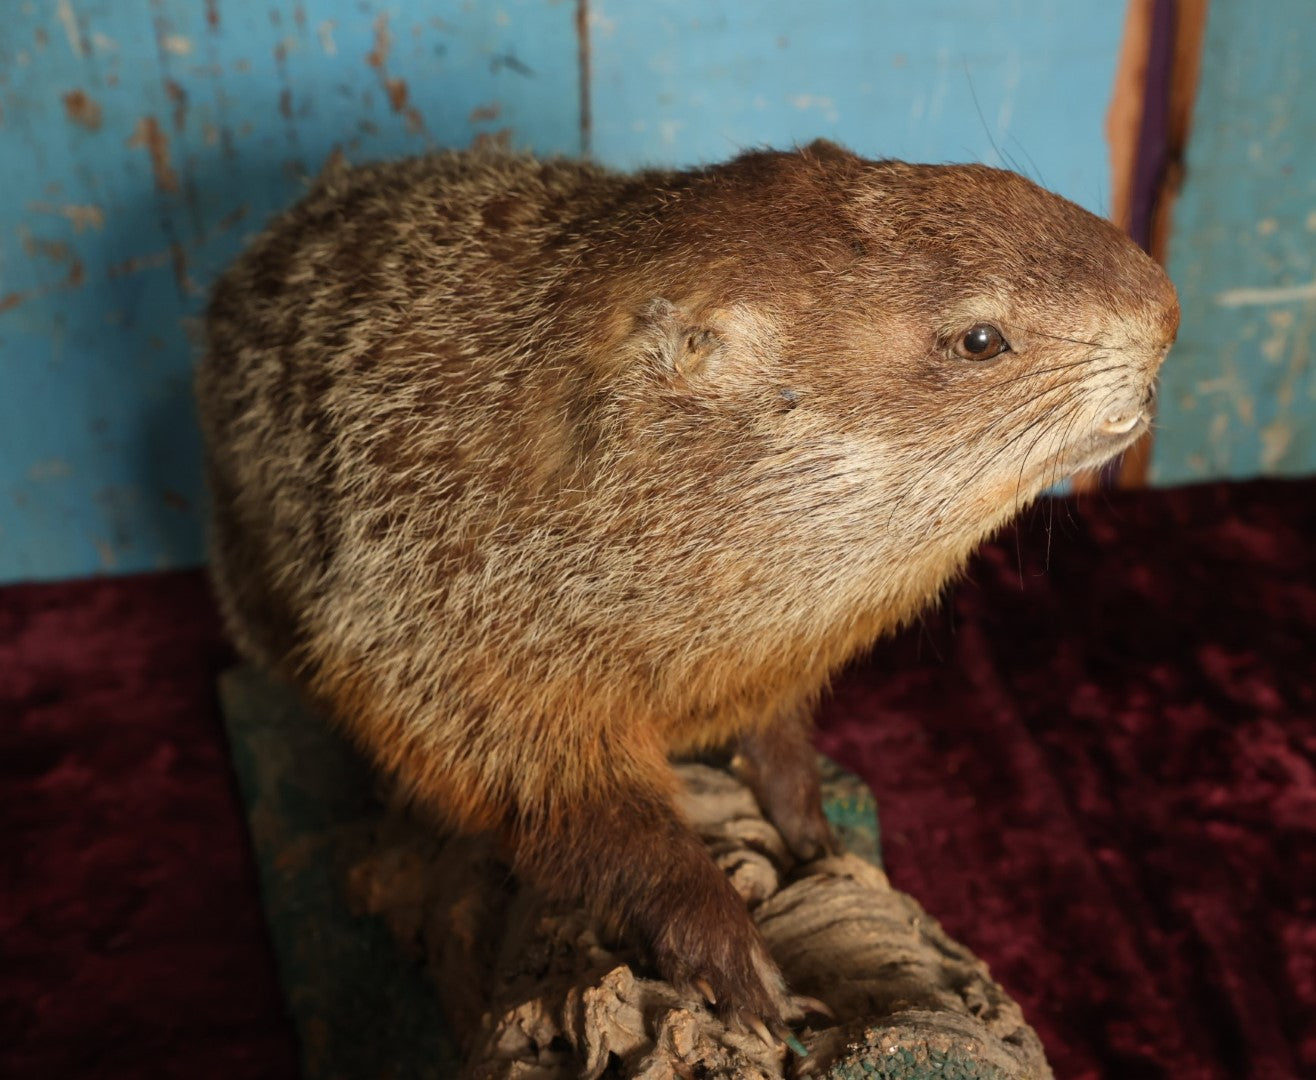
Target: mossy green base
{"x":361,"y":1007}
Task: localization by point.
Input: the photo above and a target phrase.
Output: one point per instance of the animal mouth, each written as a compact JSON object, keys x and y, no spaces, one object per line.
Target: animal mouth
{"x":1121,"y":423}
{"x":1113,"y":433}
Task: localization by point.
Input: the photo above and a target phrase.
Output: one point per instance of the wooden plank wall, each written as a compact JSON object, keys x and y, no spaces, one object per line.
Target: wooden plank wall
{"x":142,"y":140}
{"x":1239,"y":391}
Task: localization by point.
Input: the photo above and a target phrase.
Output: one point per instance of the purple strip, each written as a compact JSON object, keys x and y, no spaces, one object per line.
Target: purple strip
{"x":1153,"y":153}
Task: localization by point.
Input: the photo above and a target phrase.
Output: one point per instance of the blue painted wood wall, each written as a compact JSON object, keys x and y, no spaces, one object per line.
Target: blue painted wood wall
{"x":142,"y":140}
{"x":1239,"y":393}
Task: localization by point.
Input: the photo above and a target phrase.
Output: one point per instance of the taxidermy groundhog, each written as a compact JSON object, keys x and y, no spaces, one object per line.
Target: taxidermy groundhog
{"x":532,"y":474}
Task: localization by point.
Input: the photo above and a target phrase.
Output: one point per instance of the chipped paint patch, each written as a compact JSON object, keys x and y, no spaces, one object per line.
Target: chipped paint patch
{"x":1276,"y":343}
{"x":378,"y":55}
{"x":1276,"y":438}
{"x":80,"y":216}
{"x":397,"y":93}
{"x":1279,"y":294}
{"x":138,"y":263}
{"x":395,"y":88}
{"x":325,"y":32}
{"x":37,"y":247}
{"x":485,"y":114}
{"x":178,"y":96}
{"x":83,"y":110}
{"x":69,"y":20}
{"x":149,"y":134}
{"x":155,"y":208}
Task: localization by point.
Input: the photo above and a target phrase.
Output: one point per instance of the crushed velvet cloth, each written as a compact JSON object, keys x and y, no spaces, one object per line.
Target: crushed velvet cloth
{"x":1096,"y":764}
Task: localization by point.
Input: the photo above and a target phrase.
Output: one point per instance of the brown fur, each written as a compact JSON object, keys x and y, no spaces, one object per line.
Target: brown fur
{"x":534,"y":473}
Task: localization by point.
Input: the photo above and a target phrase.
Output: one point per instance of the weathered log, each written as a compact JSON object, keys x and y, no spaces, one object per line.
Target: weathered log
{"x":536,"y":991}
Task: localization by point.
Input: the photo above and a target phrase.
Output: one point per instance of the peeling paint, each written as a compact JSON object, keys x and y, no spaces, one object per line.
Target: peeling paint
{"x":325,"y":32}
{"x":1276,"y":344}
{"x":149,"y":134}
{"x":378,"y":55}
{"x":37,"y":247}
{"x":178,"y":96}
{"x":1279,"y":294}
{"x":511,"y":62}
{"x":69,"y":20}
{"x":80,"y":216}
{"x":138,"y":263}
{"x":485,"y":114}
{"x":395,"y":88}
{"x":83,"y":110}
{"x":176,"y":44}
{"x":1276,"y":438}
{"x":397,"y":93}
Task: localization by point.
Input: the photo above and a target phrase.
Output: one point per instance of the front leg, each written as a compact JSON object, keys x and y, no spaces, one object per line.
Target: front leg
{"x":778,"y":763}
{"x":629,"y":856}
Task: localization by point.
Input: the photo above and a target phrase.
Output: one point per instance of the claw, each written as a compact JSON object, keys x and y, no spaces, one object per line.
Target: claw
{"x":761,"y":1030}
{"x":707,"y":991}
{"x":813,"y":1005}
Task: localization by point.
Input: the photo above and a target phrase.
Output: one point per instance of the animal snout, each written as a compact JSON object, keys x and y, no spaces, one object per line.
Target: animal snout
{"x":1135,"y":405}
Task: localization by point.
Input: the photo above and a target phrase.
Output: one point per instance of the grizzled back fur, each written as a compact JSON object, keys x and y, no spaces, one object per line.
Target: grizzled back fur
{"x":533,"y":472}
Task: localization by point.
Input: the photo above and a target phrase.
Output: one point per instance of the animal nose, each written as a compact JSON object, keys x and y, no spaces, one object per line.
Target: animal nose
{"x":1159,"y":354}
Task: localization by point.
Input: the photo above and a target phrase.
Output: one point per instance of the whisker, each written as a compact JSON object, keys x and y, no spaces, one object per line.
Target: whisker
{"x":940,"y":457}
{"x":1048,"y":371}
{"x":973,"y":93}
{"x":1037,"y":173}
{"x":945,"y":503}
{"x":1047,"y":430}
{"x":1058,"y":386}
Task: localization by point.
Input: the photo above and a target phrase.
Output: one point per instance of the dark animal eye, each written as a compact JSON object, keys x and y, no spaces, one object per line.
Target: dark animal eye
{"x":981,"y":342}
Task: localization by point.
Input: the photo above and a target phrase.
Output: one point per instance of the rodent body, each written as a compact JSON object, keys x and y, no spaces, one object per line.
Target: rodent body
{"x":533,"y":474}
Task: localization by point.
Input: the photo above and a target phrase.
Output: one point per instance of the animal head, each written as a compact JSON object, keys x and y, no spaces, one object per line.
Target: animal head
{"x":961,"y":337}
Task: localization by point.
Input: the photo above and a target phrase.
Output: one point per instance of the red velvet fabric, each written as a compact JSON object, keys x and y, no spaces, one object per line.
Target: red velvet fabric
{"x":1096,"y":765}
{"x":131,"y":937}
{"x":1098,"y":769}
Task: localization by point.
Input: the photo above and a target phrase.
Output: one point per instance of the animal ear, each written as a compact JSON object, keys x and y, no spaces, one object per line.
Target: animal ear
{"x":682,"y":345}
